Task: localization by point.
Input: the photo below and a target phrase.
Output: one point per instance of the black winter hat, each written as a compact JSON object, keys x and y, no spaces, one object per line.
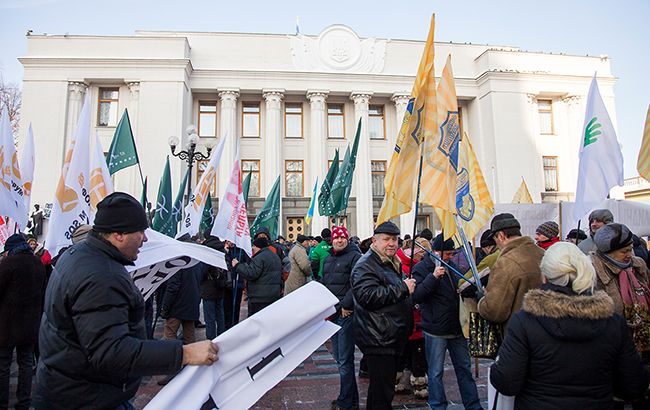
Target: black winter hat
{"x":326,"y":233}
{"x":301,"y":238}
{"x":487,"y":240}
{"x":120,"y":212}
{"x":261,"y":242}
{"x":426,"y":234}
{"x":577,"y":233}
{"x":440,"y":245}
{"x":503,"y":221}
{"x":388,"y":228}
{"x":263,"y":230}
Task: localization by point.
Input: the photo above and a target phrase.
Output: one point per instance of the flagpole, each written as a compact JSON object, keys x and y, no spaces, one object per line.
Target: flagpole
{"x":468,"y":254}
{"x":128,"y":118}
{"x":417,"y":206}
{"x":446,"y":265}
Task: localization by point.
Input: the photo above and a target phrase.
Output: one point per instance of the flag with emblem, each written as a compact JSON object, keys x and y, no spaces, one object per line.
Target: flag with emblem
{"x":100,"y":180}
{"x":522,"y":196}
{"x":246,"y":187}
{"x":12,"y":198}
{"x":208,"y":214}
{"x":169,"y":226}
{"x":419,"y":119}
{"x":474,"y":205}
{"x":601,"y":160}
{"x":312,"y":205}
{"x":325,"y":189}
{"x":27,"y":165}
{"x":164,"y":200}
{"x":122,"y":152}
{"x":71,"y":207}
{"x":343,"y":182}
{"x":270,"y":212}
{"x":643,"y":162}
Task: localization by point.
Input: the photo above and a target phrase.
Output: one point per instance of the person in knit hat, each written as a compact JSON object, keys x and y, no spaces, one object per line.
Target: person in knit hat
{"x":320,"y":252}
{"x":597,"y":219}
{"x":546,"y":234}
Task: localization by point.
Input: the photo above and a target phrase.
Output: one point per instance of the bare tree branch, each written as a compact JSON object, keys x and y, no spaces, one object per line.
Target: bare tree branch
{"x":11,"y":101}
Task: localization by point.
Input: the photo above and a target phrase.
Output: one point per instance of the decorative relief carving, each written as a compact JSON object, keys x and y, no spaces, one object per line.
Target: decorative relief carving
{"x":77,"y":89}
{"x":228,"y":99}
{"x":400,"y":99}
{"x":337,"y":48}
{"x":134,"y":89}
{"x":317,"y":99}
{"x":572,"y":99}
{"x":361,"y":100}
{"x":273,"y":99}
{"x":531,"y":98}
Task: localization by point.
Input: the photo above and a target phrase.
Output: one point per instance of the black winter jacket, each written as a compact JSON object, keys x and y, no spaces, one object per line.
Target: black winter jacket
{"x":336,"y":274}
{"x":92,"y":336}
{"x":383,"y":315}
{"x":214,"y":280}
{"x":182,"y":294}
{"x":22,"y":284}
{"x":567,"y":351}
{"x":264,"y":276}
{"x":438,"y":299}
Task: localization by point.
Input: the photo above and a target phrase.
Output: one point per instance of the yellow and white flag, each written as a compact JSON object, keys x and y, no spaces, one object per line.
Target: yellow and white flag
{"x":12,"y":195}
{"x":522,"y":196}
{"x":100,"y":180}
{"x":643,"y":163}
{"x":71,"y":207}
{"x":419,"y":120}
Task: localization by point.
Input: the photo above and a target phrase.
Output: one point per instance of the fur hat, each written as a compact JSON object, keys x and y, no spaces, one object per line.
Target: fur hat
{"x":549,"y":229}
{"x":602,"y":215}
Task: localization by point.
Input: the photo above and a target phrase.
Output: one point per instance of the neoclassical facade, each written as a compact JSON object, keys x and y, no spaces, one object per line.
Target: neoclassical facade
{"x":291,"y":100}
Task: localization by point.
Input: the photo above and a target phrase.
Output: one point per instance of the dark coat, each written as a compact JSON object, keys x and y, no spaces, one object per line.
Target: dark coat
{"x":182,"y":294}
{"x":337,"y":269}
{"x":214,"y":280}
{"x":383,"y":313}
{"x":264,"y":276}
{"x":22,"y":284}
{"x":567,"y":351}
{"x":242,"y":257}
{"x":438,"y":299}
{"x":92,"y":338}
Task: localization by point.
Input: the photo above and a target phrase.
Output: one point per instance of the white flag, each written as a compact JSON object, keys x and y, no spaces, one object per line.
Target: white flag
{"x":71,"y":207}
{"x":11,"y":185}
{"x":27,"y":165}
{"x":232,"y":221}
{"x":194,"y":209}
{"x":601,"y":160}
{"x":100,"y":180}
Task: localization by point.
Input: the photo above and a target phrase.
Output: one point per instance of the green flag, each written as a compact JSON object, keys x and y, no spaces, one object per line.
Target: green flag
{"x":143,"y":195}
{"x":164,"y":201}
{"x":208,"y":214}
{"x":343,"y":183}
{"x":270,"y":212}
{"x":326,"y":188}
{"x":170,"y":225}
{"x":246,"y":186}
{"x":122,"y":152}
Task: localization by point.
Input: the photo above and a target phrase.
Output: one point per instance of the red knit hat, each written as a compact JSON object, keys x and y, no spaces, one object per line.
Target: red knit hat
{"x":340,"y":231}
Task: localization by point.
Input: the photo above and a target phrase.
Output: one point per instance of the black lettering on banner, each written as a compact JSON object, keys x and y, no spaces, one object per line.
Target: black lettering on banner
{"x":148,"y":278}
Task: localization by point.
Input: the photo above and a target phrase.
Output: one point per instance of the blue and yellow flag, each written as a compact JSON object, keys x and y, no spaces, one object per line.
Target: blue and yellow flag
{"x":312,"y":205}
{"x":419,"y":120}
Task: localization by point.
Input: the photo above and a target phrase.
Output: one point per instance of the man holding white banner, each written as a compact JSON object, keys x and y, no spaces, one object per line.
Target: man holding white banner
{"x":92,"y":337}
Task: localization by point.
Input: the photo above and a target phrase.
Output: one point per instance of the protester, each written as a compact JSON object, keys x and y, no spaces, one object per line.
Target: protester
{"x":300,"y":266}
{"x":566,"y":348}
{"x":597,"y":219}
{"x":233,"y":294}
{"x":22,"y":284}
{"x":546,"y":235}
{"x":277,"y":248}
{"x":320,"y":252}
{"x":437,"y":293}
{"x":514,"y":273}
{"x":576,"y":235}
{"x":383,"y":318}
{"x":264,"y":275}
{"x":213,"y":284}
{"x":337,"y":269}
{"x":92,"y":337}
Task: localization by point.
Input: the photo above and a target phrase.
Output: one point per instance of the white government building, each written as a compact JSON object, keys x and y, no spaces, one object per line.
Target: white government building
{"x":291,"y":100}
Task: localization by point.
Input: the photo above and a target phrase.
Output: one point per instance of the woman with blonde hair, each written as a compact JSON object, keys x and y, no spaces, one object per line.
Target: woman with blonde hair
{"x":566,"y":348}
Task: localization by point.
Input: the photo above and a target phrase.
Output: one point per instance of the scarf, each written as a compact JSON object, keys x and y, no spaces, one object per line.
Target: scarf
{"x":632,"y":291}
{"x":620,"y":265}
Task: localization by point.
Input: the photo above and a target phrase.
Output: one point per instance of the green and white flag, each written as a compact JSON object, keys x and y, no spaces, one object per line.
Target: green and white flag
{"x":326,"y":188}
{"x":208,"y":214}
{"x":246,"y":187}
{"x":270,"y":213}
{"x":170,"y":224}
{"x":122,"y":153}
{"x":164,"y":201}
{"x":343,"y":183}
{"x":601,"y":160}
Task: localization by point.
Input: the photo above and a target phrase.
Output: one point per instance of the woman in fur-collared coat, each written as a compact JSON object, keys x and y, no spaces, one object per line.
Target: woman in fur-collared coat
{"x":566,"y":348}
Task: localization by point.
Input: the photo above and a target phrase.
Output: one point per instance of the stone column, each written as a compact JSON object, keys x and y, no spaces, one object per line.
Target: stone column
{"x":273,"y":165}
{"x":317,"y":164}
{"x":228,"y":130}
{"x":362,"y":174}
{"x":134,"y":93}
{"x":76,"y":94}
{"x":401,"y":100}
{"x":129,"y":180}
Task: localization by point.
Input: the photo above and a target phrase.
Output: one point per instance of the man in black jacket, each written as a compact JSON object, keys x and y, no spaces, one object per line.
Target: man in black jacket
{"x":336,"y":277}
{"x":436,"y":292}
{"x":383,"y":316}
{"x":92,"y":336}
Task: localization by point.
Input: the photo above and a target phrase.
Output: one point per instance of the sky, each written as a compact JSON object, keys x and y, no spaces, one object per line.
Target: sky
{"x":619,"y":29}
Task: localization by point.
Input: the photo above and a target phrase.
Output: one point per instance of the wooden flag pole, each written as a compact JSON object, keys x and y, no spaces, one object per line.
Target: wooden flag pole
{"x":417,"y":206}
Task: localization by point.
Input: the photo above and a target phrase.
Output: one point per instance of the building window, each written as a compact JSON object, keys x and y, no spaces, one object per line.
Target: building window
{"x":201,"y":166}
{"x":424,"y":221}
{"x":545,"y":109}
{"x":335,"y":121}
{"x":550,"y":174}
{"x":293,"y":178}
{"x":252,"y":166}
{"x":293,"y":120}
{"x":376,"y":124}
{"x":251,"y":120}
{"x":107,"y":107}
{"x":378,"y":169}
{"x":208,"y":119}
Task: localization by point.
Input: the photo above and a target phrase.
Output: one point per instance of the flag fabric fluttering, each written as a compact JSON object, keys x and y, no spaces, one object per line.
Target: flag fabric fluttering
{"x":143,"y":194}
{"x":208,"y":215}
{"x":27,"y":165}
{"x":71,"y":207}
{"x":270,"y":212}
{"x":419,"y":122}
{"x":643,"y":162}
{"x":231,"y":222}
{"x":522,"y":196}
{"x":246,"y":186}
{"x":169,"y":225}
{"x":325,"y":189}
{"x":343,"y":182}
{"x":312,"y":205}
{"x":164,"y":200}
{"x":601,"y":160}
{"x":12,"y":195}
{"x":122,"y":152}
{"x":100,"y":180}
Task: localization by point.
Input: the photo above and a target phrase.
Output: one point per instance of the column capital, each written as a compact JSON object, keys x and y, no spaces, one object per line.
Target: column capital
{"x":361,"y":97}
{"x":317,"y":95}
{"x":531,"y":98}
{"x":401,"y":97}
{"x":77,"y":87}
{"x":134,"y":88}
{"x":273,"y":95}
{"x":228,"y":94}
{"x":572,"y":99}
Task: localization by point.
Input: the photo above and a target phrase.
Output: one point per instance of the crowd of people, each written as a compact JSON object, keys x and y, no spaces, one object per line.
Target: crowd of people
{"x":573,"y":313}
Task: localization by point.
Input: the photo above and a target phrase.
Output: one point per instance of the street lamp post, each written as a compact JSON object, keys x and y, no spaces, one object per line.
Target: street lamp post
{"x":189,"y":154}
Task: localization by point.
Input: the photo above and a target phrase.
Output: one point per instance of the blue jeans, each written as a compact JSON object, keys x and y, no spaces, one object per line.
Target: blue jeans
{"x":213,"y":315}
{"x":459,"y":352}
{"x":343,"y":346}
